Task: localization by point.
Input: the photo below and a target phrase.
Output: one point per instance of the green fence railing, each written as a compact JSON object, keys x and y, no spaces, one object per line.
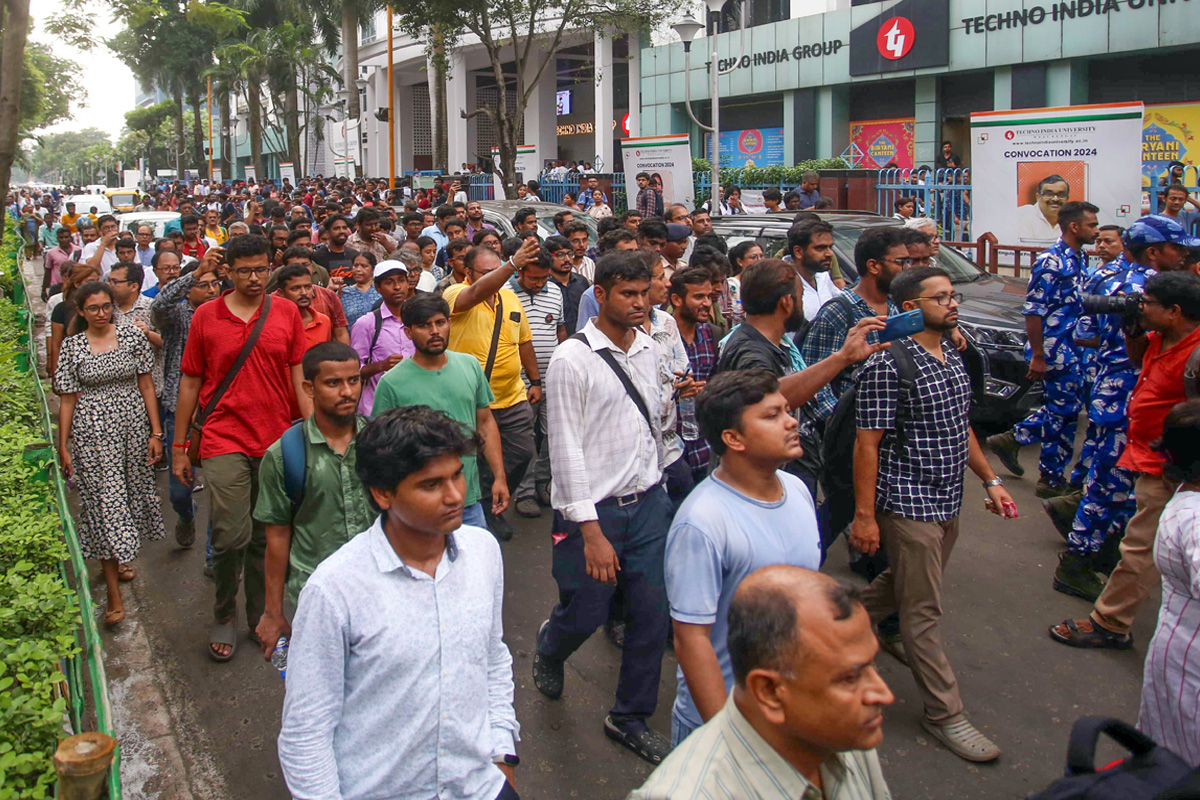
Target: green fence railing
{"x":74,"y":571}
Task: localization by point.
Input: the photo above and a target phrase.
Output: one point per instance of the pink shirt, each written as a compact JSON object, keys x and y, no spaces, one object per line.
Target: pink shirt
{"x":55,"y":258}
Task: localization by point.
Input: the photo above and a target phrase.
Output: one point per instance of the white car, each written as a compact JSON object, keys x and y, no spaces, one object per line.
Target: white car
{"x":84,"y":202}
{"x":158,"y":219}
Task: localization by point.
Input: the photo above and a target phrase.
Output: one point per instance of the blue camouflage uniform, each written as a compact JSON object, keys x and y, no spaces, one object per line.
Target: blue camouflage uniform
{"x":1108,"y":501}
{"x":1053,"y":295}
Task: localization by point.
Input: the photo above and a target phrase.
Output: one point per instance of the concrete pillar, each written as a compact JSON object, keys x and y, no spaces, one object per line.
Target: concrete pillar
{"x":1066,"y":83}
{"x":927,"y":139}
{"x":603,"y":61}
{"x":1002,"y":93}
{"x":635,"y":85}
{"x":833,"y":121}
{"x":404,"y":137}
{"x":456,"y":103}
{"x":789,"y":127}
{"x":541,"y":124}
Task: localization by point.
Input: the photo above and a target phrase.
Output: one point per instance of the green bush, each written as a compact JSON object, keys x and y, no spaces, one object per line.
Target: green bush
{"x":766,"y":176}
{"x":39,"y":615}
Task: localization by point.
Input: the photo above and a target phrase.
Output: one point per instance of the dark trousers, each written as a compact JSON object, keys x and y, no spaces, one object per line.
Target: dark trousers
{"x":638,"y":534}
{"x":507,"y":792}
{"x":181,"y":496}
{"x":679,"y":482}
{"x":516,"y":443}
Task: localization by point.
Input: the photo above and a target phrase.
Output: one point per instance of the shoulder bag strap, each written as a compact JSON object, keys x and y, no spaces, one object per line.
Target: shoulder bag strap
{"x":1191,"y":375}
{"x":378,"y":313}
{"x":203,"y":414}
{"x":906,"y":375}
{"x":491,"y":359}
{"x":623,"y":377}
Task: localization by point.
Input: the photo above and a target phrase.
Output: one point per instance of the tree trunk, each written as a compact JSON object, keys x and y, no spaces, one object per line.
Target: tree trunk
{"x":508,"y":152}
{"x":350,"y":78}
{"x":12,"y":62}
{"x":291,"y":124}
{"x":441,"y":142}
{"x":254,"y":101}
{"x":227,"y":155}
{"x":180,"y":144}
{"x":198,"y":154}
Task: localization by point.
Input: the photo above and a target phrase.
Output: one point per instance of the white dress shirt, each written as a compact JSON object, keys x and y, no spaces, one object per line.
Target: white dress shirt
{"x":814,"y":298}
{"x":399,"y":685}
{"x":600,"y":444}
{"x":106,"y":261}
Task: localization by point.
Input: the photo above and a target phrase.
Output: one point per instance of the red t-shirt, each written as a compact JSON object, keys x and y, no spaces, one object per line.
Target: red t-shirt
{"x":195,"y":249}
{"x":255,"y":411}
{"x":1158,"y":390}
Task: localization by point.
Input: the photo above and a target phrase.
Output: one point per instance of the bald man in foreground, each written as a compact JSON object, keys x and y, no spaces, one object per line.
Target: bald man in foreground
{"x":806,"y":711}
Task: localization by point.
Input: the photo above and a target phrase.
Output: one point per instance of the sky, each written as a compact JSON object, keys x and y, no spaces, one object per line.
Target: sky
{"x":110,"y":84}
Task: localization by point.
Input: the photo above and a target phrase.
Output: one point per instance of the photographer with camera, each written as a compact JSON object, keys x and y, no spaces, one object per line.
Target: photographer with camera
{"x":1052,"y":308}
{"x":1170,"y":311}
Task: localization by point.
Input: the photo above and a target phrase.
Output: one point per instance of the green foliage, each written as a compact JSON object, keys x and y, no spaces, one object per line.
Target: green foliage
{"x":39,"y":616}
{"x":747,"y":177}
{"x":48,"y":84}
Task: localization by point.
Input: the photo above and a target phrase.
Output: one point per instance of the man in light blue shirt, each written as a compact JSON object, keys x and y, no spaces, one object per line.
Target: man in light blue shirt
{"x":437,"y":231}
{"x":748,"y":514}
{"x":399,"y":683}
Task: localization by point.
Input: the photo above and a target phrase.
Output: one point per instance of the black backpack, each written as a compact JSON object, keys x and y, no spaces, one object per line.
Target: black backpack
{"x":841,"y":430}
{"x":1151,"y":772}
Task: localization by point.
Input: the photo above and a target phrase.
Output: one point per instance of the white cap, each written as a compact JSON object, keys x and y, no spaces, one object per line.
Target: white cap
{"x":390,"y":265}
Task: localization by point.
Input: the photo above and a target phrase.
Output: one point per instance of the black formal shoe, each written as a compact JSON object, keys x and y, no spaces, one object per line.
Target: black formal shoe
{"x":640,"y":738}
{"x":547,"y":672}
{"x":499,"y":527}
{"x":615,"y":633}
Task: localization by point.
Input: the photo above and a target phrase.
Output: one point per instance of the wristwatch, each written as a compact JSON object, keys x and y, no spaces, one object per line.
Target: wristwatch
{"x":508,"y":759}
{"x":537,"y":382}
{"x":993,"y":482}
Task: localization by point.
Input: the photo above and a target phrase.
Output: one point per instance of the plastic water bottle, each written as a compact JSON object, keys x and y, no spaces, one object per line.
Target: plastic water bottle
{"x":687,"y":419}
{"x":279,"y":656}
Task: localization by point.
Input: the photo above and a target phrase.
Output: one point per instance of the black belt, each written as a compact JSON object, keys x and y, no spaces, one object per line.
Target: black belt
{"x":628,"y":499}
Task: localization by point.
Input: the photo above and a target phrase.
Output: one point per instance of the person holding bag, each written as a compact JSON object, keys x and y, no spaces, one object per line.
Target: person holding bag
{"x":240,"y":368}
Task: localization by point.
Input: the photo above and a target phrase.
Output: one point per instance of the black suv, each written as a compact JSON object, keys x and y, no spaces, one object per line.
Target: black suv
{"x":990,"y":314}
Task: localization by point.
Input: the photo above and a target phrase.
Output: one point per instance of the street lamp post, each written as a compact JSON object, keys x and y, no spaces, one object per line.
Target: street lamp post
{"x":687,"y":29}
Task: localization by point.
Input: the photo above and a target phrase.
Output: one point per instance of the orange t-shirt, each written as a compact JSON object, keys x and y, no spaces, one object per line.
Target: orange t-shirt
{"x":319,"y":330}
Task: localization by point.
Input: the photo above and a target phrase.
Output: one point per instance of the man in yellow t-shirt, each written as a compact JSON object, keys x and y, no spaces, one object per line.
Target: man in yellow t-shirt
{"x":474,"y":305}
{"x":70,"y":219}
{"x":212,"y":227}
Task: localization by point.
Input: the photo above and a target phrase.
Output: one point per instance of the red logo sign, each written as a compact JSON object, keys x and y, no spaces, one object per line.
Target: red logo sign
{"x":1010,"y":135}
{"x":895,"y":38}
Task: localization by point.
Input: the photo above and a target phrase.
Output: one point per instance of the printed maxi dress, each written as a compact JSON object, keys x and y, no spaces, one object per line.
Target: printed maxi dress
{"x":110,"y":439}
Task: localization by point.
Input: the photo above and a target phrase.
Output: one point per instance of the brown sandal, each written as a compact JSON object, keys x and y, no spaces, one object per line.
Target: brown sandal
{"x":1087,"y":634}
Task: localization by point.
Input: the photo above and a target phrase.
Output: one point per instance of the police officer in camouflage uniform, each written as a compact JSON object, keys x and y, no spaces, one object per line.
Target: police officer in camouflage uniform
{"x":1052,"y":308}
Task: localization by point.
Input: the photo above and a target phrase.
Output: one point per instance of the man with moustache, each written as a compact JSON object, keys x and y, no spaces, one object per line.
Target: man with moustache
{"x":810,"y":245}
{"x":691,"y":304}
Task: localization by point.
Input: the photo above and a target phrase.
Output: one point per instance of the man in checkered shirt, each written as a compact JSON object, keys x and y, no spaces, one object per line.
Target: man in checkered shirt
{"x":908,"y":490}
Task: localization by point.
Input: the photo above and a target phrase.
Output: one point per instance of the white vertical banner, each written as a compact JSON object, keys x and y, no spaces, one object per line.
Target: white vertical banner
{"x":287,"y":172}
{"x":668,"y":161}
{"x":527,"y":167}
{"x":217,"y":176}
{"x":251,"y":173}
{"x":1026,"y":164}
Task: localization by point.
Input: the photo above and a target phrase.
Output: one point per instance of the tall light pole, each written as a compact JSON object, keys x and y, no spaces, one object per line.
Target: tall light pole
{"x":391,"y":103}
{"x":687,"y":29}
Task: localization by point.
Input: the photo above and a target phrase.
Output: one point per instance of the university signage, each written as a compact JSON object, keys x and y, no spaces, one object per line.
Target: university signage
{"x":782,"y":55}
{"x":1053,"y":12}
{"x":908,"y":35}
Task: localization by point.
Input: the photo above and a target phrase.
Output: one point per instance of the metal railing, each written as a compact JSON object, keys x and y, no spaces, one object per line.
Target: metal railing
{"x":942,"y":194}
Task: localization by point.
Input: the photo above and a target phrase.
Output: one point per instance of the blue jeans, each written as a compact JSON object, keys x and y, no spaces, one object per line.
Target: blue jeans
{"x":181,"y":496}
{"x":473,"y":515}
{"x":638,"y":534}
{"x":680,"y":729}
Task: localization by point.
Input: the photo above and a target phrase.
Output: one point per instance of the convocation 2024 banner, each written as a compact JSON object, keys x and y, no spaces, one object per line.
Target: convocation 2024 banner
{"x":1026,"y":164}
{"x":526,"y":166}
{"x":668,"y":161}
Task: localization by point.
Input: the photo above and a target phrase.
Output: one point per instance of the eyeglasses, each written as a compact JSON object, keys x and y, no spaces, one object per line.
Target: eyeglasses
{"x":246,"y":272}
{"x":206,"y":285}
{"x":114,"y":281}
{"x":167,"y":268}
{"x":1055,"y":195}
{"x":904,"y":263}
{"x":945,"y":299}
{"x":104,"y":309}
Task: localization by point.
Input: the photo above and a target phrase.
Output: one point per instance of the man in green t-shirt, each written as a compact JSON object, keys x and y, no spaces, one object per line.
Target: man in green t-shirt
{"x":451,"y":382}
{"x":333,"y":508}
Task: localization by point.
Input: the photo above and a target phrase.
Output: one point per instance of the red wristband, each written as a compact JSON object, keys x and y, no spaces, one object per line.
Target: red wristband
{"x":182,"y":446}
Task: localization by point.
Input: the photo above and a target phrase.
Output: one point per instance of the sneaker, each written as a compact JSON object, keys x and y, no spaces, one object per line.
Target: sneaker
{"x":1076,"y":577}
{"x":964,"y":740}
{"x":639,"y":737}
{"x":542,"y":490}
{"x":547,"y":672}
{"x":1061,"y":511}
{"x":499,"y":526}
{"x":1047,"y":490}
{"x":528,"y":507}
{"x":185,"y":532}
{"x":1006,"y":447}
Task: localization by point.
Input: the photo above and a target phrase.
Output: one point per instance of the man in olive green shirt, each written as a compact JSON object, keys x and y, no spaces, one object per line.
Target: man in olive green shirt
{"x":451,"y":382}
{"x":334,"y":507}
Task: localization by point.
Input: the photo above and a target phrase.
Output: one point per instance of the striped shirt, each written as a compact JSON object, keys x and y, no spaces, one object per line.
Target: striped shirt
{"x":726,"y":758}
{"x":544,"y":311}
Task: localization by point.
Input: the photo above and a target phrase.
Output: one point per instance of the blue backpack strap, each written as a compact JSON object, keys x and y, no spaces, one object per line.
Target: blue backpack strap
{"x":295,"y":463}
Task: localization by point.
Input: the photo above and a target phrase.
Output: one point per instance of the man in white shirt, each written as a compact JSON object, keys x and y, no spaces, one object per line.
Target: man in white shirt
{"x":1037,"y":223}
{"x":610,"y":511}
{"x":102,"y":253}
{"x":399,"y":683}
{"x":810,"y":244}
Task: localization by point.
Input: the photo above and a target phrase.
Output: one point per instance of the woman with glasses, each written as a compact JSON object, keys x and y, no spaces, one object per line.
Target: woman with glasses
{"x":110,"y":435}
{"x":359,"y":296}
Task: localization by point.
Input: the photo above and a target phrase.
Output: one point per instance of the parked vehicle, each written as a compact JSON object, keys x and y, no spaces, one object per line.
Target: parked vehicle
{"x":159,"y":219}
{"x":123,"y":199}
{"x":84,"y":202}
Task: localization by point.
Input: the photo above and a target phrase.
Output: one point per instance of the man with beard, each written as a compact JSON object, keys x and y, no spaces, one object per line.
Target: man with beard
{"x":295,"y":284}
{"x":451,"y":382}
{"x":771,"y":296}
{"x":573,"y":284}
{"x":811,"y":247}
{"x":475,"y":222}
{"x":335,"y":256}
{"x":332,"y":507}
{"x":369,"y":237}
{"x":691,"y":304}
{"x":908,"y":492}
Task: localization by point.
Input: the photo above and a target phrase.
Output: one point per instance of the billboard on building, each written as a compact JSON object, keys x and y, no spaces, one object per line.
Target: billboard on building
{"x":1026,"y":164}
{"x":910,"y":34}
{"x":751,"y":147}
{"x":527,"y":166}
{"x":1169,"y":133}
{"x":884,"y":141}
{"x":668,"y":160}
{"x":287,"y":172}
{"x":251,"y":173}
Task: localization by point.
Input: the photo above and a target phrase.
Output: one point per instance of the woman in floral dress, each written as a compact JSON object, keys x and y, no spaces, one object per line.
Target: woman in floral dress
{"x":109,"y":435}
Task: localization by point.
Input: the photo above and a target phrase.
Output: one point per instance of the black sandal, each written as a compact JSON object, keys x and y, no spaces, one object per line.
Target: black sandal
{"x":1095,"y":639}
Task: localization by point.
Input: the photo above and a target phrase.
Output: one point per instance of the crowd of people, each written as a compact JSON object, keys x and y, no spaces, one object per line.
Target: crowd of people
{"x":363,"y":390}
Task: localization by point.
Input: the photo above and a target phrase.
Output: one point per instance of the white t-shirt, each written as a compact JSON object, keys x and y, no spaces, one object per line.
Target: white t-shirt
{"x":815,"y":298}
{"x":1033,"y":227}
{"x":106,"y":261}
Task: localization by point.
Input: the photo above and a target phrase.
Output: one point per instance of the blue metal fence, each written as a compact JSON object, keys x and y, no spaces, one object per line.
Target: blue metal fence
{"x":1152,"y":200}
{"x":943,"y":194}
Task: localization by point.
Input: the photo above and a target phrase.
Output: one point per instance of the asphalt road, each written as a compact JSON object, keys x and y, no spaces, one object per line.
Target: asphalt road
{"x":1021,"y":688}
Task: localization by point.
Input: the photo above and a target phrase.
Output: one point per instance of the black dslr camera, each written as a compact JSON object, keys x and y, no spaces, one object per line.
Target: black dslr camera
{"x":1122,"y":305}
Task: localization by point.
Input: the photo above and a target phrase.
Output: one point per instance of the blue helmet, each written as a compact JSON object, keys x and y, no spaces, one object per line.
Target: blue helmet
{"x":1157,"y":229}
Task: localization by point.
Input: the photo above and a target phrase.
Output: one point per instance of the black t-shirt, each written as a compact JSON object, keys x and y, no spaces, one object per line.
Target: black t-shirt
{"x":338,"y":264}
{"x":59,"y":314}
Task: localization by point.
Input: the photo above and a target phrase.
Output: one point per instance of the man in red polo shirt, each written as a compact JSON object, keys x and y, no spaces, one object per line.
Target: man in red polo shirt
{"x":252,"y":414}
{"x":1171,"y":312}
